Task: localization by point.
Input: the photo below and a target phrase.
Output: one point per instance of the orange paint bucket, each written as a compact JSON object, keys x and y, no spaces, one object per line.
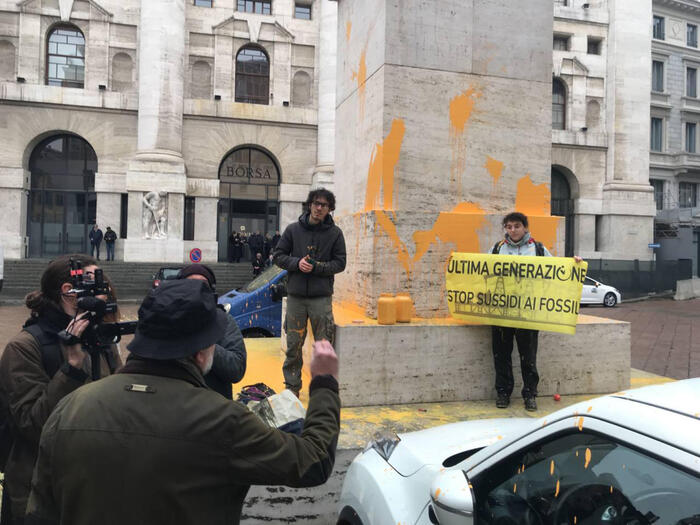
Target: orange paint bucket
{"x":404,"y":308}
{"x":386,"y":309}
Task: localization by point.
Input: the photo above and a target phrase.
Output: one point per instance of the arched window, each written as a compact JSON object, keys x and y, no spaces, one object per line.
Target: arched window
{"x":558,"y":104}
{"x":7,"y":60}
{"x":201,"y":80}
{"x":122,"y":72}
{"x":62,"y":199}
{"x":301,"y":89}
{"x":252,"y":76}
{"x":65,"y":57}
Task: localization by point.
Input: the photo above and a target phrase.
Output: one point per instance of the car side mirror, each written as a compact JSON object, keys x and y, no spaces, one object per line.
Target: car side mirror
{"x":452,"y":498}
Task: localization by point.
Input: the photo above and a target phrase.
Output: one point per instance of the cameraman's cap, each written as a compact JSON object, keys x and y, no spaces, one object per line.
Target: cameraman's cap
{"x":178,"y":319}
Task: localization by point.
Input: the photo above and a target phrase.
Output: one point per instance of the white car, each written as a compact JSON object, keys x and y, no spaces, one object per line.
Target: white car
{"x":595,"y":292}
{"x":631,"y":458}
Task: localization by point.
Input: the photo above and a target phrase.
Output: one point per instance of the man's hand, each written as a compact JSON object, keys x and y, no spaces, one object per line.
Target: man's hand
{"x":577,"y":259}
{"x":74,"y":353}
{"x":305,"y":266}
{"x":324,"y":360}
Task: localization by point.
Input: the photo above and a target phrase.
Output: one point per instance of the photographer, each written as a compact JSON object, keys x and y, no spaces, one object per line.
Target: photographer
{"x":37,"y":369}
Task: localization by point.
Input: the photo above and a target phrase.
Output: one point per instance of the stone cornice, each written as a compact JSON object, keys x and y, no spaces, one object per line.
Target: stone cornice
{"x":687,"y":6}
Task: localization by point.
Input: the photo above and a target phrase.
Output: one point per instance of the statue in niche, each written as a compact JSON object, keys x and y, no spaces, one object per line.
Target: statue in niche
{"x":155,"y":214}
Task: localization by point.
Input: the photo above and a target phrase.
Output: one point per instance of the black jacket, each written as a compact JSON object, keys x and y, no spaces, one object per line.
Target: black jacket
{"x":324,"y":243}
{"x":229,"y":360}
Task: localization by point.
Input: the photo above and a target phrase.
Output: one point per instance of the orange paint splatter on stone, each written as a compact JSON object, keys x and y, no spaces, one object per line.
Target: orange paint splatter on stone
{"x":361,"y":77}
{"x":461,"y":108}
{"x":348,"y":30}
{"x":588,"y":458}
{"x":495,"y":169}
{"x":534,"y":200}
{"x":383,"y":162}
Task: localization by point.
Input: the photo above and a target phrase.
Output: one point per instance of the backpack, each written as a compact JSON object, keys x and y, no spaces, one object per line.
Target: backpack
{"x":539,"y":248}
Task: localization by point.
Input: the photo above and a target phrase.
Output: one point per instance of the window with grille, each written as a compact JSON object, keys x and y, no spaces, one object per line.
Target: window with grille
{"x":558,"y":104}
{"x":255,"y":6}
{"x":302,"y":11}
{"x":65,"y":61}
{"x":659,"y":30}
{"x":657,"y":76}
{"x":560,"y":43}
{"x":687,"y":195}
{"x":691,"y":84}
{"x":692,"y":35}
{"x":252,"y":76}
{"x":658,"y":186}
{"x":690,"y":137}
{"x":657,"y":126}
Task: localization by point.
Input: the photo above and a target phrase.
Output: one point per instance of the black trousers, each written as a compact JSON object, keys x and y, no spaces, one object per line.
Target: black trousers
{"x":502,"y":344}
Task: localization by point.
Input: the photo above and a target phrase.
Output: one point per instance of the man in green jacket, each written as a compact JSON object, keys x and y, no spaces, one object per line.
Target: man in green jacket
{"x":152,"y":444}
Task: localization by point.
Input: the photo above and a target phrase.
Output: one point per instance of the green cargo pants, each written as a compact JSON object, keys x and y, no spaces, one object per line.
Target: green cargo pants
{"x":319,"y":310}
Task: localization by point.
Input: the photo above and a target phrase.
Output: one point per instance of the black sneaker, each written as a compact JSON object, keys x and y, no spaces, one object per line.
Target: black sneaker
{"x":530,"y":404}
{"x":502,"y":401}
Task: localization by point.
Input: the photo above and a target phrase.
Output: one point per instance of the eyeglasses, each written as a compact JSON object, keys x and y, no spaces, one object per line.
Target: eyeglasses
{"x":320,"y":204}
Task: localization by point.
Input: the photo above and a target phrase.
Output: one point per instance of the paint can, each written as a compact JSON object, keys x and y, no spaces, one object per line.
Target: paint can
{"x":386,"y":309}
{"x":404,"y":308}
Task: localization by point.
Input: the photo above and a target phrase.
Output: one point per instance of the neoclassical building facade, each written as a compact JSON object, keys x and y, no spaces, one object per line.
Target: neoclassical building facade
{"x":175,"y":122}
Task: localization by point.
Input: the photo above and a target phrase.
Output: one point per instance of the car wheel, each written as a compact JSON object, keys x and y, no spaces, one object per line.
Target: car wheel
{"x":348,"y":516}
{"x":610,"y":299}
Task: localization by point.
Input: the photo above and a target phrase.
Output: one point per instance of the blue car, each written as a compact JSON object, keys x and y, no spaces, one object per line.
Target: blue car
{"x":257,"y":306}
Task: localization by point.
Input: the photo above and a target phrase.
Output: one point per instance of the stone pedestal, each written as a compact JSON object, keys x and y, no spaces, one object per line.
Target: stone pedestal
{"x":438,"y":138}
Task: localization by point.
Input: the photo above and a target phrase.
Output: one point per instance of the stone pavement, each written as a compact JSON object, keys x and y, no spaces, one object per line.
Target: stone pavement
{"x":665,"y":334}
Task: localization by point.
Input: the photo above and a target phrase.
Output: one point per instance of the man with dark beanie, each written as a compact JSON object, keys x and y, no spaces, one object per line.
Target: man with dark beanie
{"x":153,"y":445}
{"x":229,"y":353}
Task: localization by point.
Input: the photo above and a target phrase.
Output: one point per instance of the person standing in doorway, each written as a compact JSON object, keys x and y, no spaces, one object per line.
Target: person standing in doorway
{"x":312,"y":250}
{"x":95,"y":236}
{"x":110,"y":239}
{"x":517,"y":241}
{"x":258,"y":264}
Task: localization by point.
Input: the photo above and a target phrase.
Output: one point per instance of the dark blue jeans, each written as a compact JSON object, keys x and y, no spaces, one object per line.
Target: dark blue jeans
{"x":95,"y":247}
{"x":110,"y":251}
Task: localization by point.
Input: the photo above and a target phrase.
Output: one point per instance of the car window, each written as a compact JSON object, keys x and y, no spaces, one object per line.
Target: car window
{"x":170,"y":273}
{"x":585,"y":478}
{"x":589,"y":282}
{"x":262,"y":279}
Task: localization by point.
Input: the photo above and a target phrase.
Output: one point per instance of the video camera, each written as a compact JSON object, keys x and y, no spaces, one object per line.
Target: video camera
{"x":98,"y":334}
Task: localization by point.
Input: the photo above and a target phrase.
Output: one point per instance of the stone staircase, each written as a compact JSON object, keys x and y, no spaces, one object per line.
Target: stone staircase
{"x":131,"y":280}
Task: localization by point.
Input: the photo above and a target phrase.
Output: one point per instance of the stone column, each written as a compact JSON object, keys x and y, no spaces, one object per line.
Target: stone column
{"x":628,"y":199}
{"x":327,"y":53}
{"x":158,"y":165}
{"x":443,"y":125}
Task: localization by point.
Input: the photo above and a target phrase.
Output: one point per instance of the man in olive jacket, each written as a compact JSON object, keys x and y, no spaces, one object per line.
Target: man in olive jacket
{"x":152,"y":444}
{"x":312,"y":250}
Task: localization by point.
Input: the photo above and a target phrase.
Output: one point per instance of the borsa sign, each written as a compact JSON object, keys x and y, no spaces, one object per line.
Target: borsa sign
{"x":538,"y":293}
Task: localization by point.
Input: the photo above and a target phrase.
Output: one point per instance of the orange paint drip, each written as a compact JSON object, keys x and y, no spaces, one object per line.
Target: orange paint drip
{"x":361,"y":77}
{"x":461,"y":108}
{"x":589,"y":409}
{"x":580,"y":424}
{"x":551,"y":468}
{"x":556,"y":491}
{"x":531,"y":198}
{"x":495,"y":169}
{"x":437,"y":494}
{"x":386,"y":224}
{"x":348,"y":30}
{"x":588,"y":458}
{"x":383,"y":162}
{"x":515,"y":487}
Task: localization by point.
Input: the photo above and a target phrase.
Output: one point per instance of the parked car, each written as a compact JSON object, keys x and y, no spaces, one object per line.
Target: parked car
{"x":257,"y":306}
{"x":627,"y":458}
{"x":165,"y":274}
{"x":595,"y":292}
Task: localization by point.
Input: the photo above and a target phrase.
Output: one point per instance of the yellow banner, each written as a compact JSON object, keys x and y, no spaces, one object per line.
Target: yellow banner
{"x":537,"y":293}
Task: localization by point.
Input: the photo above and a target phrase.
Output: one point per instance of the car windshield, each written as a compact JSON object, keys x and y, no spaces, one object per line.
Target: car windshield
{"x":170,"y":273}
{"x":262,"y":279}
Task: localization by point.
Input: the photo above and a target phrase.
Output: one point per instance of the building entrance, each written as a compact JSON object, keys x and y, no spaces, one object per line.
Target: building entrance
{"x":62,"y":200}
{"x":248,"y":198}
{"x":563,"y":206}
